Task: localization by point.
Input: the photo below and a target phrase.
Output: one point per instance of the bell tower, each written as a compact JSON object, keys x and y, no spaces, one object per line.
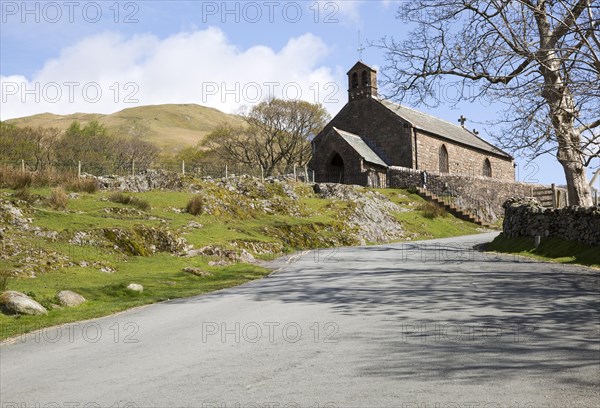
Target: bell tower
{"x":362,"y":82}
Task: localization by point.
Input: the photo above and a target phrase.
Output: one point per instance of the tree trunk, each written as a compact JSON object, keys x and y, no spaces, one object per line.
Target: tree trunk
{"x":577,"y":184}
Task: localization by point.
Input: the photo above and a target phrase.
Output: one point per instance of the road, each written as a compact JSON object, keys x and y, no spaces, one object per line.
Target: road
{"x":412,"y":325}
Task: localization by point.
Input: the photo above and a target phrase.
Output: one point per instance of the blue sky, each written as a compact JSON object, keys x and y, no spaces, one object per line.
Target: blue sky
{"x":104,"y":56}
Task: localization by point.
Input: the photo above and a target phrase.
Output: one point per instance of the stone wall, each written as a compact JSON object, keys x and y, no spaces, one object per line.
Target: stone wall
{"x":385,"y":133}
{"x":461,"y":159}
{"x":483,"y":196}
{"x":527,"y":218}
{"x":327,"y":146}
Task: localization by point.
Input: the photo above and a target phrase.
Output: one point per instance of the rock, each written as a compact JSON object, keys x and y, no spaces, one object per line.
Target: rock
{"x":226,"y":256}
{"x":135,"y":287}
{"x":69,"y":299}
{"x":146,"y":181}
{"x":370,"y":213}
{"x":13,"y":215}
{"x":194,"y":224}
{"x":12,"y":302}
{"x":197,"y":271}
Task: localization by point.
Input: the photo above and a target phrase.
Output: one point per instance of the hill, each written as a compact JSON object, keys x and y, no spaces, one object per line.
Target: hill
{"x":171,"y":127}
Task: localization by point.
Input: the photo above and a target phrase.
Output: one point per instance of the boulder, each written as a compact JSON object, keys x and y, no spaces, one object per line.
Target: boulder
{"x":69,"y":299}
{"x":135,"y":287}
{"x":12,"y":302}
{"x":197,"y":271}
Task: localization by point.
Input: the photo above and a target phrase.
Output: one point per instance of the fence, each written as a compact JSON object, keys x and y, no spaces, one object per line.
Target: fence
{"x":78,"y":168}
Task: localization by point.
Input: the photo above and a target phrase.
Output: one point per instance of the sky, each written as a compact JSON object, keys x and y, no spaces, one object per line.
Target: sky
{"x":64,"y":57}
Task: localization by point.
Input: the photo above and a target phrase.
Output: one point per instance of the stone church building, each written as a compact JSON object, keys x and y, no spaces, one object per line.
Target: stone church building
{"x":370,"y":135}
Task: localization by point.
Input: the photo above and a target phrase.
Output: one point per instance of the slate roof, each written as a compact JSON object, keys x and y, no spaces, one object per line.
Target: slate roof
{"x":359,"y":145}
{"x":442,"y":128}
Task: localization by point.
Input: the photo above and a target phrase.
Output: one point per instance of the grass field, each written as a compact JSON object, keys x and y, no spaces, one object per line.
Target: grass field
{"x":76,"y":266}
{"x":171,"y":127}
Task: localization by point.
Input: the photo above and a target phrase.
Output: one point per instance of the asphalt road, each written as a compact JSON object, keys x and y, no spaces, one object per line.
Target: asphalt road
{"x":413,"y":325}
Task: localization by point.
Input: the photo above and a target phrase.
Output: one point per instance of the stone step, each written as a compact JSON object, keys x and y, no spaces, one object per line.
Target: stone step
{"x":452,"y":208}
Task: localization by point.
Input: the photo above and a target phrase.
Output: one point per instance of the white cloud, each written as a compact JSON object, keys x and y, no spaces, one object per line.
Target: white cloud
{"x":200,"y":67}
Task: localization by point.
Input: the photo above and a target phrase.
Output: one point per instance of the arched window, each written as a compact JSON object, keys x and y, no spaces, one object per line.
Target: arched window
{"x":444,"y":162}
{"x":365,"y":78}
{"x":354,"y":80}
{"x":487,"y":168}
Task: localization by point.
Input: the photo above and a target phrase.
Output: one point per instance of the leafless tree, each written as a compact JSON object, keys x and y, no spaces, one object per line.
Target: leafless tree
{"x":276,"y":135}
{"x":541,"y":58}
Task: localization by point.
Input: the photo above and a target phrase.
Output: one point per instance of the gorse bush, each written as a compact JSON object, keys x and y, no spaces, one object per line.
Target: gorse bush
{"x":432,"y":210}
{"x":195,"y":205}
{"x":58,"y":199}
{"x":129,"y":200}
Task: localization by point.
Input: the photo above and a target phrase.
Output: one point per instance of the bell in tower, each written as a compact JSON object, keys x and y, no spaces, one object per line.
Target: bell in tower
{"x":362,"y":82}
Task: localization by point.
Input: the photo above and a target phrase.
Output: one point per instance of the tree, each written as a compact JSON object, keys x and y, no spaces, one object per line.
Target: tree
{"x":90,"y":144}
{"x":277,"y":135}
{"x":540,"y":58}
{"x":34,"y":145}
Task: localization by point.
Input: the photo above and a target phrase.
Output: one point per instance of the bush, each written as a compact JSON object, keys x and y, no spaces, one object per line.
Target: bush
{"x":194,"y":206}
{"x":83,"y":185}
{"x":4,"y":276}
{"x":25,"y":195}
{"x":58,"y":199}
{"x":129,"y":200}
{"x":21,"y":180}
{"x":432,"y":210}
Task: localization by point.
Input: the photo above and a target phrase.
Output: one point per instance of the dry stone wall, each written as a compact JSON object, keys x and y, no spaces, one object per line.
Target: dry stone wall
{"x":482,"y":195}
{"x":525,"y":217}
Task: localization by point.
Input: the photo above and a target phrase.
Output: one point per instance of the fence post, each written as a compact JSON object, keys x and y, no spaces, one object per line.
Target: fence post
{"x":306,"y":174}
{"x":183,"y":167}
{"x":295,"y":174}
{"x":226,"y":173}
{"x":22,"y":166}
{"x":262,"y":173}
{"x":554,"y":196}
{"x":133,"y":167}
{"x":79,"y":169}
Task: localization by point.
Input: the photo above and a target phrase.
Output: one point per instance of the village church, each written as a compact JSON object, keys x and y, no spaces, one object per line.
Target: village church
{"x":371,"y":135}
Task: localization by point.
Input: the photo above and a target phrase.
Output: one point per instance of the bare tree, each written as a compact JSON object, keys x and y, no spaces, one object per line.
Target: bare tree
{"x":540,"y":58}
{"x":277,"y":135}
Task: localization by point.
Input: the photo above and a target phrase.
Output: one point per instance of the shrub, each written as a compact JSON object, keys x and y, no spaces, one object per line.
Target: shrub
{"x":25,"y":195}
{"x":4,"y":275}
{"x":83,"y":185}
{"x":194,"y":206}
{"x":21,"y":180}
{"x":58,"y":199}
{"x":432,"y":210}
{"x":129,"y":200}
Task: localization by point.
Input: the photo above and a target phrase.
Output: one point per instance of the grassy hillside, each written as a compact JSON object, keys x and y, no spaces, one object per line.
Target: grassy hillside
{"x":102,"y":242}
{"x":171,"y":127}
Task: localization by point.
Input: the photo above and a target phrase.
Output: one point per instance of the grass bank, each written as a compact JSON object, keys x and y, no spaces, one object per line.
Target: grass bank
{"x":68,"y":249}
{"x":550,"y":249}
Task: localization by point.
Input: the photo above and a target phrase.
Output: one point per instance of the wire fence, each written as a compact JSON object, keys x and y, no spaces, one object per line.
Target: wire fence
{"x":80,"y":168}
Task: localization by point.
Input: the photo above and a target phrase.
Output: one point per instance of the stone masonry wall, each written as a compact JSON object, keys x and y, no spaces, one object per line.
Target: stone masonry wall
{"x":527,"y":218}
{"x":461,"y":160}
{"x":484,"y":196}
{"x":326,"y":147}
{"x":387,"y":134}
